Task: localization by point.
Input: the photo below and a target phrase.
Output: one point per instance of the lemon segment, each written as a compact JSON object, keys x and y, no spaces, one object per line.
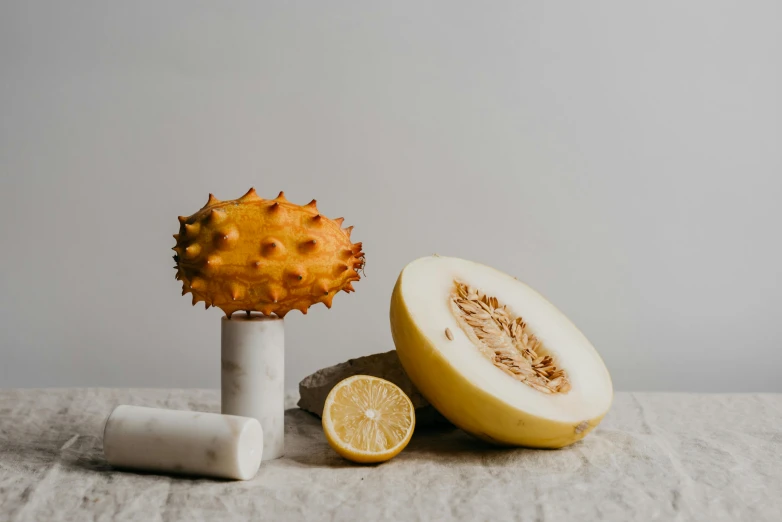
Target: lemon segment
{"x":367,"y":419}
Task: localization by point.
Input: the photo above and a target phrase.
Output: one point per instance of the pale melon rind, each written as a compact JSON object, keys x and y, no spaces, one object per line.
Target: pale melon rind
{"x":464,"y":403}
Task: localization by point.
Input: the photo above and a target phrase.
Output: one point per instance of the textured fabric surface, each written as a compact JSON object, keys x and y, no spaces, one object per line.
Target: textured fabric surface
{"x":655,"y":457}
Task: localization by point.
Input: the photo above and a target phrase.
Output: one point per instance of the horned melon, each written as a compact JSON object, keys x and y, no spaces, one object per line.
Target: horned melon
{"x":270,"y":256}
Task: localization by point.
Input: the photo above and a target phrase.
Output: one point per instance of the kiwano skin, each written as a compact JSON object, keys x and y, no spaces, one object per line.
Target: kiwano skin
{"x":270,"y":256}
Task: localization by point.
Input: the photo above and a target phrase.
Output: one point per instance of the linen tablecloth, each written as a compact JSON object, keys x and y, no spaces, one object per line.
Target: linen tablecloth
{"x":656,"y":456}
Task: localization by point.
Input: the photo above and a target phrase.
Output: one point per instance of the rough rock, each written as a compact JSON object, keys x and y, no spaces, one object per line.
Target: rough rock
{"x":314,"y":388}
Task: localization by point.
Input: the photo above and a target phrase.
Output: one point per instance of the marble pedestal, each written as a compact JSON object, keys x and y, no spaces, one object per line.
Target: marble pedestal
{"x":253,"y":375}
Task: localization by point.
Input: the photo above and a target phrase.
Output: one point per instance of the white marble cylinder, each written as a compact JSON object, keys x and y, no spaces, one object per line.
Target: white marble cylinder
{"x":183,"y":442}
{"x":253,"y":375}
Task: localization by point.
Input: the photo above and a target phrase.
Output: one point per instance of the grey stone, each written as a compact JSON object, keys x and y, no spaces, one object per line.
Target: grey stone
{"x":314,"y":388}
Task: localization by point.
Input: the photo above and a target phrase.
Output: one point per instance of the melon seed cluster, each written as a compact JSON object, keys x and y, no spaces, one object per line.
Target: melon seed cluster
{"x":506,"y":340}
{"x":270,"y":256}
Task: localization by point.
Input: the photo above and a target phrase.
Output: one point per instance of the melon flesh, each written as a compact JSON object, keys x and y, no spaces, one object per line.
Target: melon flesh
{"x":466,"y":386}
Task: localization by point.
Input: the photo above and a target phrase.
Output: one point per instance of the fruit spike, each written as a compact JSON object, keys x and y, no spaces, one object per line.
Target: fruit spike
{"x":216,"y":216}
{"x":264,"y":255}
{"x":191,"y":230}
{"x":251,"y":195}
{"x":211,"y":201}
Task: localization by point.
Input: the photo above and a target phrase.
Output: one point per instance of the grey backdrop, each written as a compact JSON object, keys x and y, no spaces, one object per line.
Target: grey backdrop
{"x":623,"y":158}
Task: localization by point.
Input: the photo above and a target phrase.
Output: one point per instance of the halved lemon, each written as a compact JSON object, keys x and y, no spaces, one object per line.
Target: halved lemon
{"x":367,"y":419}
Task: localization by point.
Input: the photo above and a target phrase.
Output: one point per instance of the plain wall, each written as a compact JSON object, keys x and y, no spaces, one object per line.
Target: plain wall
{"x":623,"y":158}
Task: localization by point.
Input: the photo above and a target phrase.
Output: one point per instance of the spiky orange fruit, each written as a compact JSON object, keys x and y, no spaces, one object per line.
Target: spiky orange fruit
{"x":270,"y":256}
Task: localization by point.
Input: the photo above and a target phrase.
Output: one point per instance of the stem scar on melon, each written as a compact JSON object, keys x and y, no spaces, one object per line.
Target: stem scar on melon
{"x":270,"y":256}
{"x":510,"y":369}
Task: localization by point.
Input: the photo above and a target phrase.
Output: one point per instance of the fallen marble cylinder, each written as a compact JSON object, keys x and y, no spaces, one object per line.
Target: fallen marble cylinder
{"x":253,"y":375}
{"x":183,"y":442}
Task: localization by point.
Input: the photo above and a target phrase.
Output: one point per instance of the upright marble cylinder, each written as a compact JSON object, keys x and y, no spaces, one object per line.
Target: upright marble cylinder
{"x":253,"y":375}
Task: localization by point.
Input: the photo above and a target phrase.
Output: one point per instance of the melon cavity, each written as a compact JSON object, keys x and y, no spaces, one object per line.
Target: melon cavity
{"x":495,"y":357}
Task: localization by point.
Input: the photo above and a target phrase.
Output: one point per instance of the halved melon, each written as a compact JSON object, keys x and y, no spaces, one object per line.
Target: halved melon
{"x":494,"y":356}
